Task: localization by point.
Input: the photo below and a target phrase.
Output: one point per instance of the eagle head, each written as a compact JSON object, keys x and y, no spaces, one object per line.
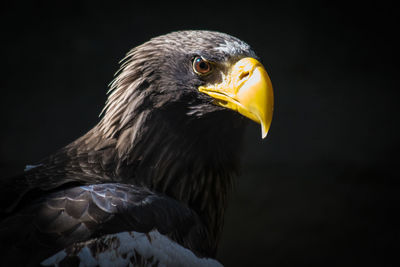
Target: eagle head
{"x":195,"y":72}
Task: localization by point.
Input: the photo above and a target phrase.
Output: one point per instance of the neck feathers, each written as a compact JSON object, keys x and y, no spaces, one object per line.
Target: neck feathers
{"x":193,"y":160}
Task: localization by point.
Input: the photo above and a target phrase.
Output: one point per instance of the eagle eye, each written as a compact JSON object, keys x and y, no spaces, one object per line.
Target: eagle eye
{"x":201,"y":66}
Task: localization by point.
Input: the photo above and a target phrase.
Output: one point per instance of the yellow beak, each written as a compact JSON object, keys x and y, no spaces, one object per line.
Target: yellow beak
{"x":246,"y":89}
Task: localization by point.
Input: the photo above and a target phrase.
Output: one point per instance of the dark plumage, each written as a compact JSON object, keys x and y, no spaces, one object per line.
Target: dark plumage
{"x":162,"y":157}
{"x":62,"y":218}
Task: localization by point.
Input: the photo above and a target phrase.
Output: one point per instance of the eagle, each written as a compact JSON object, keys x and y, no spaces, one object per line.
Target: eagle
{"x":147,"y":185}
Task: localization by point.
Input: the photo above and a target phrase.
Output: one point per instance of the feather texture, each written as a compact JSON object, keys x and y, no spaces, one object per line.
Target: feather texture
{"x":162,"y":157}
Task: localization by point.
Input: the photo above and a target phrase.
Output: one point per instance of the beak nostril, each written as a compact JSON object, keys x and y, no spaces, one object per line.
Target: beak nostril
{"x":243,"y":75}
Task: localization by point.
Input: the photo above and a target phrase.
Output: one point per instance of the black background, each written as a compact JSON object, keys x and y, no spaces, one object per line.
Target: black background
{"x":321,"y":190}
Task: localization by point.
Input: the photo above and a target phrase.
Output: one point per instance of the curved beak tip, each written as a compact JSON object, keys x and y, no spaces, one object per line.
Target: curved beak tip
{"x":252,"y":96}
{"x":264,"y":132}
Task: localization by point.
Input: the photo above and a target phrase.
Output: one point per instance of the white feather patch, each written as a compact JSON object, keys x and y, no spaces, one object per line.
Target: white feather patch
{"x":153,"y":247}
{"x":234,"y":47}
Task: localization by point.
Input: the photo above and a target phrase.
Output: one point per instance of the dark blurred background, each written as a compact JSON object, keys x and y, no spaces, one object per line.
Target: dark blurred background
{"x":321,"y":190}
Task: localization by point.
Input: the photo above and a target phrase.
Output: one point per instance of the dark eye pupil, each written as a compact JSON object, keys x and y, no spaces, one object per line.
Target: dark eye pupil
{"x":203,"y":65}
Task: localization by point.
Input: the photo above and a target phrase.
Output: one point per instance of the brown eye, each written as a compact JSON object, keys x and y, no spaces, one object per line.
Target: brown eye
{"x":201,"y":66}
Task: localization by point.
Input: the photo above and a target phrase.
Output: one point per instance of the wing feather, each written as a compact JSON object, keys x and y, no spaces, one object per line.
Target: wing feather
{"x":68,"y":217}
